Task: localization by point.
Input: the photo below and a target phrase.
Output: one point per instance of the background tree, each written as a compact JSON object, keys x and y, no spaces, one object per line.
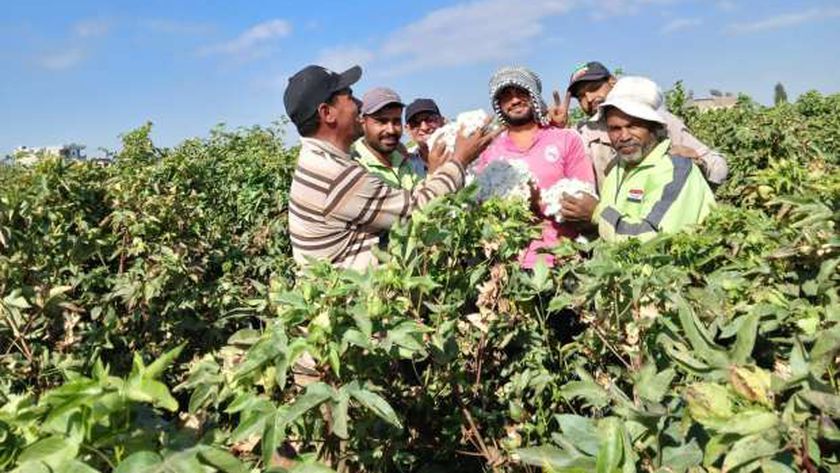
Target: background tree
{"x":779,"y":94}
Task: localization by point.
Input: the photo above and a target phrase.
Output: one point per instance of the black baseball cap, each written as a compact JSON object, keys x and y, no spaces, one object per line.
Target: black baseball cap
{"x":591,"y":71}
{"x":312,"y":86}
{"x":420,"y":106}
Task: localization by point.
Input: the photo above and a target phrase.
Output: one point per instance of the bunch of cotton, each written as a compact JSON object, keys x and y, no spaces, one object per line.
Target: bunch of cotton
{"x":468,"y":122}
{"x":504,"y":178}
{"x":554,"y":195}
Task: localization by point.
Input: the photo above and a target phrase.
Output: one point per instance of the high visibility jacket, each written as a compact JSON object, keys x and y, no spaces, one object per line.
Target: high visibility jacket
{"x":663,"y":193}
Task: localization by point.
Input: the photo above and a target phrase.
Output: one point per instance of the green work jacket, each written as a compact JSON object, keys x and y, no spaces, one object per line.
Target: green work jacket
{"x":663,"y":193}
{"x":399,"y":174}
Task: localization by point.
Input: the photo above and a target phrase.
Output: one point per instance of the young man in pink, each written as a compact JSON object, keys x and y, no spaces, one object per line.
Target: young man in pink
{"x":550,"y":153}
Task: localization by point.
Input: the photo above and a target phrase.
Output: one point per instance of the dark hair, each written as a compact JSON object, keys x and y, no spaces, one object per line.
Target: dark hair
{"x":310,"y":125}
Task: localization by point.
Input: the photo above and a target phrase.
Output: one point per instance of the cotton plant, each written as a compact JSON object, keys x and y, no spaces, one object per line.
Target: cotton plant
{"x":553,"y":196}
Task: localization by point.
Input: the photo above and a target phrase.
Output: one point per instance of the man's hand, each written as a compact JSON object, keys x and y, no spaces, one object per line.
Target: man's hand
{"x":578,"y":209}
{"x":558,"y":114}
{"x":536,"y":200}
{"x":690,"y":153}
{"x":438,"y":155}
{"x":684,"y":151}
{"x":468,"y":148}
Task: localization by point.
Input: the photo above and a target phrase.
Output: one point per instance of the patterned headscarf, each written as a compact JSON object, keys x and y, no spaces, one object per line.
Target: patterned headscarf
{"x":524,"y":79}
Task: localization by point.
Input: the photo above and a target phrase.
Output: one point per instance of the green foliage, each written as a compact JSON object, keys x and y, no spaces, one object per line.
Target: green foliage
{"x":710,"y":350}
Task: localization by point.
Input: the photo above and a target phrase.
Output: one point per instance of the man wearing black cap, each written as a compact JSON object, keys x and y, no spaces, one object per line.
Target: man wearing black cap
{"x":338,"y":210}
{"x":423,"y":118}
{"x":590,"y":83}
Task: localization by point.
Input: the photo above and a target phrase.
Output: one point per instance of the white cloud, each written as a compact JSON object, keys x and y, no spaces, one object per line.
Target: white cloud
{"x":785,"y":20}
{"x":176,"y":27}
{"x":61,"y":60}
{"x":252,"y":42}
{"x":341,"y":58}
{"x":480,"y":31}
{"x":726,"y":5}
{"x":92,"y":28}
{"x":680,"y":24}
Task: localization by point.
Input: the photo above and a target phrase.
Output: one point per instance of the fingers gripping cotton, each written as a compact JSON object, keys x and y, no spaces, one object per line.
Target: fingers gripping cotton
{"x":553,"y":196}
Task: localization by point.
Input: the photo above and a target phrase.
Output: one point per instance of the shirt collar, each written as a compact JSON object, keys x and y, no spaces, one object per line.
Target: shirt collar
{"x":369,"y":159}
{"x":325,"y":146}
{"x":509,"y":145}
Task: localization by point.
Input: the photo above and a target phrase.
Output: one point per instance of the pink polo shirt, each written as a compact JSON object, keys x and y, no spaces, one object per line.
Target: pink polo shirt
{"x":556,"y":153}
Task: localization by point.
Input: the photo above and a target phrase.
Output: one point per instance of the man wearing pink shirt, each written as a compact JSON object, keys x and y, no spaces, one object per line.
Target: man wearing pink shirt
{"x":550,"y":153}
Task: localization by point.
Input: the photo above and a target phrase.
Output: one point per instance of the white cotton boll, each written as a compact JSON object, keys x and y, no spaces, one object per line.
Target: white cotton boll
{"x":504,"y":178}
{"x":468,"y":122}
{"x":554,"y":194}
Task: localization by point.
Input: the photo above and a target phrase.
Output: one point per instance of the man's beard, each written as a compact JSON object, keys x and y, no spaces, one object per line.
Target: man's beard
{"x":523,"y":120}
{"x":639,"y":155}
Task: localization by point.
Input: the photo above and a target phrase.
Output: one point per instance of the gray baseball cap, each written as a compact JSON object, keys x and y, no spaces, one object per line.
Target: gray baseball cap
{"x":376,"y":99}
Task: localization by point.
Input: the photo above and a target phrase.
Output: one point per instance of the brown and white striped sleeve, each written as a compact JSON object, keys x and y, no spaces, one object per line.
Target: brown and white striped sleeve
{"x":360,"y":199}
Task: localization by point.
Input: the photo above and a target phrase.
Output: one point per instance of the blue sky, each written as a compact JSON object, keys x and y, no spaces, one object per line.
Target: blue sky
{"x":88,"y":70}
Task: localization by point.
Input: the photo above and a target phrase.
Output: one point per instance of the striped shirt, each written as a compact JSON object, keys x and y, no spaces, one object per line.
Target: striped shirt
{"x":338,"y":210}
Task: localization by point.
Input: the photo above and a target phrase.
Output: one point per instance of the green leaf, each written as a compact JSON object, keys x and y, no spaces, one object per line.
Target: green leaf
{"x":748,"y":449}
{"x":698,"y":336}
{"x":745,"y":342}
{"x":315,"y":394}
{"x":829,"y":404}
{"x":708,"y":403}
{"x":680,"y":459}
{"x":772,"y":466}
{"x":76,"y":466}
{"x":375,"y":403}
{"x":151,"y":391}
{"x":555,"y":460}
{"x":33,"y":467}
{"x":311,"y":468}
{"x":581,"y":432}
{"x":54,"y":451}
{"x":139,"y":462}
{"x":588,"y":390}
{"x":221,"y":460}
{"x":652,"y":386}
{"x":362,"y":320}
{"x":752,"y":383}
{"x":825,"y":350}
{"x":274,"y":431}
{"x":157,"y":367}
{"x":339,"y":410}
{"x":749,"y":422}
{"x":611,"y":448}
{"x":540,"y":280}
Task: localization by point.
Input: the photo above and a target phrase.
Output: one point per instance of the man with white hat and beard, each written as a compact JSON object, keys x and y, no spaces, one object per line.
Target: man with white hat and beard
{"x":649,"y":191}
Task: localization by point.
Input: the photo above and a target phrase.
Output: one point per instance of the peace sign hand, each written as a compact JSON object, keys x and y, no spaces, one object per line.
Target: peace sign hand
{"x":558,"y":114}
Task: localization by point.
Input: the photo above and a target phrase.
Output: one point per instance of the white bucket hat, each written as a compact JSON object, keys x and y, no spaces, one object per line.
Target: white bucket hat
{"x":636,"y":96}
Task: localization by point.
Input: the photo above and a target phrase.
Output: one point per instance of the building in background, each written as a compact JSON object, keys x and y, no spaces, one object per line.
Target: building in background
{"x":27,"y":155}
{"x":714,"y":102}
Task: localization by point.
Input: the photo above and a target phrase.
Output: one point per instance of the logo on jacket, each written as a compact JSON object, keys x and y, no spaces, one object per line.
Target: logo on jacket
{"x":635,"y":195}
{"x":551,"y":153}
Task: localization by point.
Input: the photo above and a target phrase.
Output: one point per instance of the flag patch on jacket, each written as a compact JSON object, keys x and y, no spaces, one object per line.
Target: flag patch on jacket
{"x":635,"y":195}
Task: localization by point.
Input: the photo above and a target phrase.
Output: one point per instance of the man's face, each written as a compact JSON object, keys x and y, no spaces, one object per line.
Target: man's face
{"x":515,"y":104}
{"x":383,"y":129}
{"x":422,"y":125}
{"x":590,"y":94}
{"x":346,"y":110}
{"x":631,"y":137}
